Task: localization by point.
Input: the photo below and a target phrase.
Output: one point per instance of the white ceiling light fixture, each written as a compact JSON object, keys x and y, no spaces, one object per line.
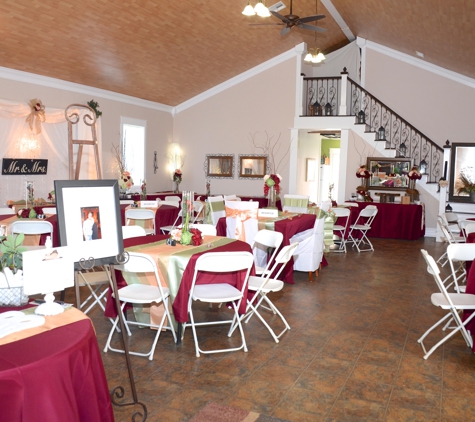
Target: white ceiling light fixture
{"x":314,"y":55}
{"x":260,"y":9}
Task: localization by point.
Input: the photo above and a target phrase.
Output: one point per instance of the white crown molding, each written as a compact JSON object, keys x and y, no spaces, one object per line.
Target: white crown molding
{"x":20,"y":76}
{"x":449,"y":74}
{"x":240,"y":78}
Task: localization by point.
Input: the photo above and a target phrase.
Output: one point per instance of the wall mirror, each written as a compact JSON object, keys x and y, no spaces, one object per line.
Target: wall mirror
{"x":388,"y":173}
{"x":252,"y":166}
{"x":462,"y":172}
{"x":220,"y":166}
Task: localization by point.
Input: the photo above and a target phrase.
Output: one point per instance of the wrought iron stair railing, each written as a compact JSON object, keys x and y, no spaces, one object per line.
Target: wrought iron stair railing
{"x":332,"y":91}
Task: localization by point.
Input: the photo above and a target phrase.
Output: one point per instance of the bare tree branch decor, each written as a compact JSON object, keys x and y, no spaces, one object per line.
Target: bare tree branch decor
{"x":270,"y":147}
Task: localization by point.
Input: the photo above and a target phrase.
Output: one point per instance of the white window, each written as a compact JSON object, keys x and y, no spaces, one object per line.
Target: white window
{"x":133,"y":147}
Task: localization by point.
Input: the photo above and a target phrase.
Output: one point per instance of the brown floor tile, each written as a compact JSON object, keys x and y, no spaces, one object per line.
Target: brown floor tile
{"x":356,"y":410}
{"x":374,"y":373}
{"x":402,"y":414}
{"x":366,"y":390}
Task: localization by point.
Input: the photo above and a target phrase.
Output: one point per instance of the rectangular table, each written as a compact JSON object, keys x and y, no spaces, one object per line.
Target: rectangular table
{"x":395,"y":221}
{"x":55,"y":375}
{"x":288,"y":227}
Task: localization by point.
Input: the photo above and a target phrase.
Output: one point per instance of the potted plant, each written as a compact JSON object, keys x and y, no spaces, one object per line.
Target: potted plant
{"x":466,"y":184}
{"x":11,"y":263}
{"x":12,"y":250}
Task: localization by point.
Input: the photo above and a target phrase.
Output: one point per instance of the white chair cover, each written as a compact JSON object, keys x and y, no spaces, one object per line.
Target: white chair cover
{"x":295,"y":203}
{"x":309,"y":252}
{"x":241,"y":220}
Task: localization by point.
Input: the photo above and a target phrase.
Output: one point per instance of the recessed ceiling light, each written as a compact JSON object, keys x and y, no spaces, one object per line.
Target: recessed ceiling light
{"x":419,"y":54}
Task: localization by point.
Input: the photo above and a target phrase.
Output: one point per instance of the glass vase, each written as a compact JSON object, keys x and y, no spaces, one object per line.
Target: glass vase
{"x":177,"y":187}
{"x":272,"y":197}
{"x":187,"y":216}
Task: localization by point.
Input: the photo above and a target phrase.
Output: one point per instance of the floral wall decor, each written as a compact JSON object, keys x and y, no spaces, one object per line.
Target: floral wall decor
{"x":36,"y":116}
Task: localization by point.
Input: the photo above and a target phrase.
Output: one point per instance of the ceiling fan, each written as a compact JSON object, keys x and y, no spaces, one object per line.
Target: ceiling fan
{"x":292,"y":20}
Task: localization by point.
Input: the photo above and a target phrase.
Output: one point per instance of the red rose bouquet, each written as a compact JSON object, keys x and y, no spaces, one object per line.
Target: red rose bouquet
{"x":362,"y":173}
{"x":414,"y":174}
{"x":272,"y":180}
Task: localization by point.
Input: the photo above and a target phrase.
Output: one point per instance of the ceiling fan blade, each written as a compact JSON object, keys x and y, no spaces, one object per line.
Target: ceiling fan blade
{"x":311,"y":18}
{"x":311,"y":27}
{"x":285,"y":31}
{"x":282,"y":18}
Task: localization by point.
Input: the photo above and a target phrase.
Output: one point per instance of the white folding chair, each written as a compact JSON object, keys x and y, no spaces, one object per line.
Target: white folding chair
{"x":340,"y":229}
{"x":7,"y":211}
{"x":173,"y":198}
{"x":241,"y":220}
{"x":264,"y":285}
{"x":231,"y":198}
{"x":266,"y":242}
{"x":126,"y":201}
{"x":142,"y":294}
{"x":470,"y":228}
{"x":216,"y":205}
{"x":451,"y":302}
{"x":458,"y":254}
{"x":197,"y":212}
{"x":362,"y":226}
{"x":295,"y":203}
{"x":97,"y":280}
{"x":141,"y":216}
{"x":170,"y":203}
{"x":49,"y":210}
{"x":132,"y":231}
{"x":448,"y":237}
{"x":169,"y":228}
{"x":219,"y":262}
{"x":205,"y":229}
{"x":349,"y":204}
{"x":135,"y":189}
{"x":32,"y":227}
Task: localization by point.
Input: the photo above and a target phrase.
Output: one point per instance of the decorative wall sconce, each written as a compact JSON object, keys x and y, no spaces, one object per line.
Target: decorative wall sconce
{"x":175,"y":159}
{"x":29,"y":143}
{"x":155,"y":166}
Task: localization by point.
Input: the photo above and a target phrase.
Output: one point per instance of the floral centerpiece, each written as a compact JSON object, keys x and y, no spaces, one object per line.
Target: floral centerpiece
{"x":187,"y":235}
{"x":413,"y":175}
{"x":51,"y":196}
{"x":125,"y":179}
{"x":143,"y":188}
{"x":272,"y":188}
{"x":30,"y":212}
{"x":363,"y":174}
{"x":177,"y":178}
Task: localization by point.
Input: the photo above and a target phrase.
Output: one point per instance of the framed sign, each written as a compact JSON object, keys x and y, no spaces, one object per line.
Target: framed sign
{"x":22,"y":167}
{"x":462,"y":171}
{"x":89,"y":219}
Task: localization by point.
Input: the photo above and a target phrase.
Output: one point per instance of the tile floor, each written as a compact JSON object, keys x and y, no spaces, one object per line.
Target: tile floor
{"x":351,"y":355}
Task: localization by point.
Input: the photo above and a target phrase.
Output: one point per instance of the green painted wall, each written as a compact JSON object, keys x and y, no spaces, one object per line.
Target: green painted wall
{"x":329,"y":143}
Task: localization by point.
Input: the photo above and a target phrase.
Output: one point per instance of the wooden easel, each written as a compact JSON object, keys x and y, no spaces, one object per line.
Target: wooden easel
{"x":90,"y":120}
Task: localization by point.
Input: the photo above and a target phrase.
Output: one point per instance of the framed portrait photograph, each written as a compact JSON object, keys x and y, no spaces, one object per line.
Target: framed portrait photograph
{"x":462,"y":171}
{"x":89,"y":222}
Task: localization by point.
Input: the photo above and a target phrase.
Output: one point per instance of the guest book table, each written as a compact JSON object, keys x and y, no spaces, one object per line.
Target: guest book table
{"x":396,"y":221}
{"x":54,"y":375}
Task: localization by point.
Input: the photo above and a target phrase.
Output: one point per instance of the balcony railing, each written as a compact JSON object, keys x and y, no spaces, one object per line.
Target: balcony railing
{"x":336,"y":91}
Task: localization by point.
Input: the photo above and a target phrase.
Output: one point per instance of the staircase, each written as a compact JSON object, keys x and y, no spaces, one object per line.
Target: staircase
{"x":333,"y":97}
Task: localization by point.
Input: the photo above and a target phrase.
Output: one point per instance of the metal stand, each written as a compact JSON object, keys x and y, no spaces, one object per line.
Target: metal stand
{"x":118,"y":391}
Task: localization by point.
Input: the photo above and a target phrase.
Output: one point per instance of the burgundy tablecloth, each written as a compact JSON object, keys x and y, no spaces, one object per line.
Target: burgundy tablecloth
{"x":55,"y":376}
{"x":161,"y":195}
{"x":395,"y":221}
{"x":165,"y":215}
{"x":288,"y":227}
{"x":181,"y":301}
{"x":470,"y":288}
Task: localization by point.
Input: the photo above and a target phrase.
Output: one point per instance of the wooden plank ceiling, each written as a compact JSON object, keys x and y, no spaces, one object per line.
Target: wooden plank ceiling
{"x":168,"y":51}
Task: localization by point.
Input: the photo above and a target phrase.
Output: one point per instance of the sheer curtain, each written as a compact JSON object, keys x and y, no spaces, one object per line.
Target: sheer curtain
{"x":53,"y":141}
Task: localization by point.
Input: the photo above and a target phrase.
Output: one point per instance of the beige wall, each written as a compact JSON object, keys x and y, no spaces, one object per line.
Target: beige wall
{"x":159,"y":130}
{"x":439,"y":107}
{"x":224,"y":122}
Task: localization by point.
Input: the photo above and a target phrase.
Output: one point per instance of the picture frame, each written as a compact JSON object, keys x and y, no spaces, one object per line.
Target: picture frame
{"x":311,"y":169}
{"x":462,"y":157}
{"x":77,"y":201}
{"x":219,"y":166}
{"x":253,"y":166}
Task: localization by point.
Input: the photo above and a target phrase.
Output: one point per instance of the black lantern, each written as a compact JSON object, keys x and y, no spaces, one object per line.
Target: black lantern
{"x":361,"y":117}
{"x":423,"y":167}
{"x":328,"y":109}
{"x":317,"y":108}
{"x":381,"y":134}
{"x":448,"y":208}
{"x":402,"y":150}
